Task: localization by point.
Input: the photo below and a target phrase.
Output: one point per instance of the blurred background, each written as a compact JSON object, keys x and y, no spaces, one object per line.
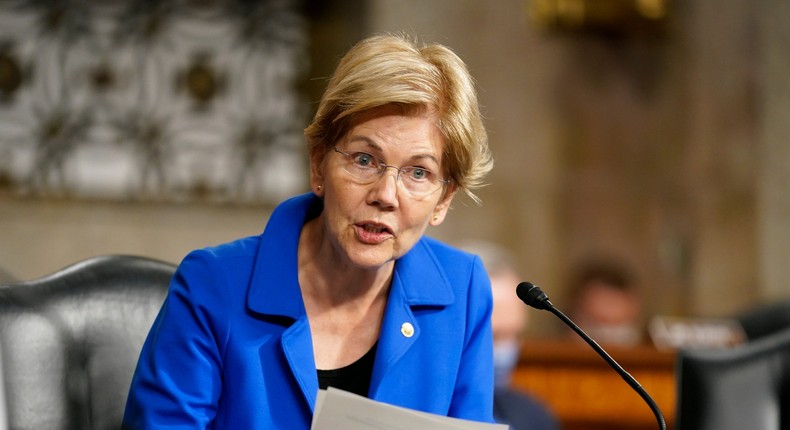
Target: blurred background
{"x":651,"y":132}
{"x":648,"y":137}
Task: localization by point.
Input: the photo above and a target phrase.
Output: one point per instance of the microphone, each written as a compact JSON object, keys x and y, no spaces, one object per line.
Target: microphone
{"x":533,"y":296}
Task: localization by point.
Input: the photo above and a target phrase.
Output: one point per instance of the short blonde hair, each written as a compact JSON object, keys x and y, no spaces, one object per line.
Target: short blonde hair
{"x":391,"y":69}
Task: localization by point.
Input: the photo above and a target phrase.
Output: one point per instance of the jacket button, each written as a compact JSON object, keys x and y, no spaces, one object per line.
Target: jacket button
{"x":407,"y":329}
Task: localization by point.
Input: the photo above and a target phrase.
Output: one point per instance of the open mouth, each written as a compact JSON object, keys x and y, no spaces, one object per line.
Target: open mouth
{"x":375,"y":228}
{"x":373,"y":233}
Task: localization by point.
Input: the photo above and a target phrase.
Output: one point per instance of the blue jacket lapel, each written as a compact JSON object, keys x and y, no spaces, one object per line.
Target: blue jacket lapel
{"x":298,"y":349}
{"x":274,"y":291}
{"x":418,"y":281}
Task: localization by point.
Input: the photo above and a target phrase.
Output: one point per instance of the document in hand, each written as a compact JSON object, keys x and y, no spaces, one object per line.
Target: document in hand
{"x":338,"y":409}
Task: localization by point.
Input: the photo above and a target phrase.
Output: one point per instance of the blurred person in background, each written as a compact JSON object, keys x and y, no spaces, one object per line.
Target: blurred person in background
{"x":606,"y":303}
{"x":513,"y":407}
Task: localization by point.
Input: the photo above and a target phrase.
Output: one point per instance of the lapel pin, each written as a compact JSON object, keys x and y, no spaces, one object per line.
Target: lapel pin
{"x":407,"y":329}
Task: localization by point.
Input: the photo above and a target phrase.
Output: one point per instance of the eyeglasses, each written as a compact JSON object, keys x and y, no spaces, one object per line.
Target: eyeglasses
{"x":366,"y":169}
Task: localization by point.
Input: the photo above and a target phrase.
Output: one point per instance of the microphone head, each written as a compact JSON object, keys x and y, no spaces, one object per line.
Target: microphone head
{"x":532,"y":295}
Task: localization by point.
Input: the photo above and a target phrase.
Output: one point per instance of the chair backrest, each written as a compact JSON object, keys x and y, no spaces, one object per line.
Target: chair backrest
{"x":746,"y":387}
{"x":765,"y":319}
{"x":70,"y":341}
{"x":6,"y":277}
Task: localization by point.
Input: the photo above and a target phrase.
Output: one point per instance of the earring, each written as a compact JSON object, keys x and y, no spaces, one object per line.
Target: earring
{"x":435,"y":217}
{"x":319,"y":187}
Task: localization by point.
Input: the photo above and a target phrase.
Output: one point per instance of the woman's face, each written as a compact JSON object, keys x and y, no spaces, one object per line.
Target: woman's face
{"x":371,"y":225}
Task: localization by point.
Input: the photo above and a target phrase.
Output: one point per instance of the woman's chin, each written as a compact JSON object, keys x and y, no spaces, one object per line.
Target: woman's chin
{"x":372,"y":259}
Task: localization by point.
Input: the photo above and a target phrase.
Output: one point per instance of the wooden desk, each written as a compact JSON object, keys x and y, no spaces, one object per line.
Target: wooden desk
{"x":586,"y":393}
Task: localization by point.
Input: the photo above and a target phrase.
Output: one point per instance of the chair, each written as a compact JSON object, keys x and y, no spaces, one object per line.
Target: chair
{"x":6,"y":277}
{"x":746,"y":387}
{"x":70,"y":341}
{"x":765,"y":319}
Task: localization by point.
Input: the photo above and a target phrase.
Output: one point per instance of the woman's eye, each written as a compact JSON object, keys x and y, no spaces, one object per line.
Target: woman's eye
{"x":364,"y":160}
{"x":420,"y":174}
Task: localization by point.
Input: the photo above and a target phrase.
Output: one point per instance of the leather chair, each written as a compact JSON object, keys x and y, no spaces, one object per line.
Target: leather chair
{"x":765,"y":319}
{"x":745,"y":387}
{"x":5,"y":277}
{"x":70,"y":341}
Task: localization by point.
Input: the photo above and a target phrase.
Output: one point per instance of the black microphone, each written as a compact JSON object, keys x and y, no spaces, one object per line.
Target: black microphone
{"x":533,"y":296}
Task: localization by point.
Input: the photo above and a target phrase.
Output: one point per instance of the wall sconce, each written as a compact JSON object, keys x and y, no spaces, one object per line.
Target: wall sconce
{"x":611,"y":16}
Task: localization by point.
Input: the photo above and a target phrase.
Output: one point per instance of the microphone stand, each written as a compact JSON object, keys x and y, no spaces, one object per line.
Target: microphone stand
{"x":533,"y":296}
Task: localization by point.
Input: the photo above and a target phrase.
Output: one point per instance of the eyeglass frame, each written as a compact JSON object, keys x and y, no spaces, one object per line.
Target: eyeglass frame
{"x":385,"y":166}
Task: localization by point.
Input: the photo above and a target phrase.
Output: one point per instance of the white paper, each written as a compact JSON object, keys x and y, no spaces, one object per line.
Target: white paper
{"x":338,"y":409}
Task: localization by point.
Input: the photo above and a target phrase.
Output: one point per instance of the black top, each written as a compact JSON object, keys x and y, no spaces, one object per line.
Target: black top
{"x":354,"y":378}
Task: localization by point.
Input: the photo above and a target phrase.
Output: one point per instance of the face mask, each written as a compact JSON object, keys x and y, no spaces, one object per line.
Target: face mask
{"x":505,"y":359}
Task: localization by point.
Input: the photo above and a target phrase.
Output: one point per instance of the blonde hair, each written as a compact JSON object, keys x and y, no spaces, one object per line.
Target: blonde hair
{"x":391,"y":69}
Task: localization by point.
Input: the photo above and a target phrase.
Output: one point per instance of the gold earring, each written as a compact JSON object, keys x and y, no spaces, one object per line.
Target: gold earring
{"x":435,"y":217}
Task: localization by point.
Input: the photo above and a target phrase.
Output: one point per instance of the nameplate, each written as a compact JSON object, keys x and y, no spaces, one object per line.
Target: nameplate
{"x":669,"y":332}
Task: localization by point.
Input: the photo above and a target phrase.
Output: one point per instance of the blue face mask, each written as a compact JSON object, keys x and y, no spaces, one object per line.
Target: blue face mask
{"x":506,"y":355}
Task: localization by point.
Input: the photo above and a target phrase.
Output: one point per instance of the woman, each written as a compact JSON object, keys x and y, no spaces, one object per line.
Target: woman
{"x":341,"y":289}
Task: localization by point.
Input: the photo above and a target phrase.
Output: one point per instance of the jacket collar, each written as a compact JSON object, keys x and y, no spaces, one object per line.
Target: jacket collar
{"x":274,"y":284}
{"x":422,"y":278}
{"x":274,"y":287}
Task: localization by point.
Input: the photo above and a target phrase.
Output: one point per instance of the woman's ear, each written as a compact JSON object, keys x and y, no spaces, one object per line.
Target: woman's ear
{"x":440,"y":211}
{"x":317,"y":166}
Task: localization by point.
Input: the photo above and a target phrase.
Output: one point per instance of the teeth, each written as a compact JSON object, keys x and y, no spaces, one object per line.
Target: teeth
{"x":374,"y":229}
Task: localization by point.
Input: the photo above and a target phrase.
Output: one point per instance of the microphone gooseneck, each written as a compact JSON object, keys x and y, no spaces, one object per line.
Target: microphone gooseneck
{"x":533,"y":296}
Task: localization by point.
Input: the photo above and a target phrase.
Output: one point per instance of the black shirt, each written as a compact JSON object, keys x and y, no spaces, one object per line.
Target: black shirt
{"x":354,"y":378}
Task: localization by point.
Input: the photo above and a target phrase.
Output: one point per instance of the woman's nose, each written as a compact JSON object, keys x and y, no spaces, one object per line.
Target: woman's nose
{"x":384,"y":191}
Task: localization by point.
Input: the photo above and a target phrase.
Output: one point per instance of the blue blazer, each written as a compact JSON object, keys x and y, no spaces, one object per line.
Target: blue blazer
{"x":231,"y":347}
